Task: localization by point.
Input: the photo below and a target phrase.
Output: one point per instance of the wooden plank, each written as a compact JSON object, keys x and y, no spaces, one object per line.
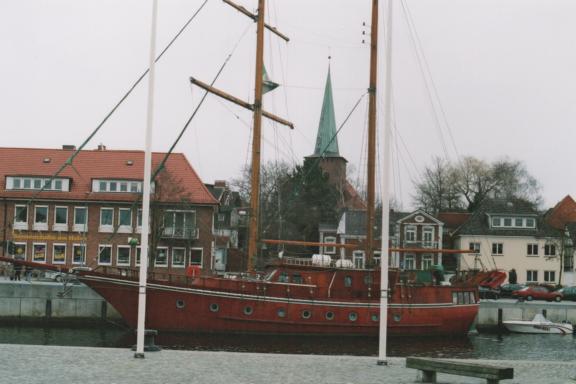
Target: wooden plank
{"x":461,"y":368}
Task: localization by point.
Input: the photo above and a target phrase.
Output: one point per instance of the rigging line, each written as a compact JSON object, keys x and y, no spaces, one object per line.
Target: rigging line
{"x":434,"y":88}
{"x":186,"y":125}
{"x":426,"y":84}
{"x":161,"y":165}
{"x":142,"y":76}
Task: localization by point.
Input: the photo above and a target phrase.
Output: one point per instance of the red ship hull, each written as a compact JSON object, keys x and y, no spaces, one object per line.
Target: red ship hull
{"x":211,"y":304}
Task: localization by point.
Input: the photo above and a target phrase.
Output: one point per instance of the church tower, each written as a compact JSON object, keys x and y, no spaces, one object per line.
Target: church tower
{"x":328,"y":156}
{"x":326,"y":149}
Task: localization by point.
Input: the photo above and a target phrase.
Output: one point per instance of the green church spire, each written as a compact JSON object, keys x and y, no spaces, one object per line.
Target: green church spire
{"x":326,"y":141}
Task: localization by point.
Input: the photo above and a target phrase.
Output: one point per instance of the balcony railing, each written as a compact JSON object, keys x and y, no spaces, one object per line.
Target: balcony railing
{"x":189,"y":233}
{"x":420,"y":244}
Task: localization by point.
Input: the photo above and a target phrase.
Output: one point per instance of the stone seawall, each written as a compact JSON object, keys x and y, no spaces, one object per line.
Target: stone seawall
{"x":507,"y":309}
{"x":37,"y":300}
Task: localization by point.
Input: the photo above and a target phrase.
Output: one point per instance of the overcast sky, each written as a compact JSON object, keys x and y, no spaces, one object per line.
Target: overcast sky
{"x":503,"y":74}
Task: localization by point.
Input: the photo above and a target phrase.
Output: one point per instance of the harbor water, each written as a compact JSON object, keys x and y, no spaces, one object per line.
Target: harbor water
{"x":478,"y":346}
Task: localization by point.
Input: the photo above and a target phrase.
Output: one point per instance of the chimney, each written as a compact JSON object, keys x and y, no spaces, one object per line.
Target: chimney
{"x":220,"y":183}
{"x":101,"y":147}
{"x":67,"y":147}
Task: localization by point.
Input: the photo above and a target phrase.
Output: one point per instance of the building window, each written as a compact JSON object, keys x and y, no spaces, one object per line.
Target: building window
{"x":550,"y":250}
{"x":79,"y":254}
{"x":530,"y":223}
{"x":118,"y":186}
{"x":359,"y":259}
{"x":138,"y":254}
{"x":178,"y":257}
{"x":221,"y":217}
{"x":39,"y":252}
{"x":330,"y":250}
{"x":60,"y":219}
{"x":123,"y":255}
{"x":180,"y":224}
{"x":59,"y":184}
{"x":507,"y":221}
{"x":409,"y":262}
{"x":410,"y":233}
{"x":104,"y":255}
{"x":428,"y":236}
{"x":427,"y":261}
{"x":532,"y":250}
{"x":80,"y":219}
{"x":106,"y":220}
{"x":21,"y":217}
{"x":125,"y":220}
{"x":497,"y":249}
{"x":40,"y":218}
{"x":59,"y":254}
{"x":496,"y":222}
{"x":549,"y":276}
{"x":161,"y":257}
{"x":531,"y":276}
{"x":20,"y":251}
{"x":474,"y":247}
{"x":377,"y":257}
{"x":196,"y":255}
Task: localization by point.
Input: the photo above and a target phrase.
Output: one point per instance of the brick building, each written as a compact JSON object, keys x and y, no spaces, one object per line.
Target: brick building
{"x":90,"y":214}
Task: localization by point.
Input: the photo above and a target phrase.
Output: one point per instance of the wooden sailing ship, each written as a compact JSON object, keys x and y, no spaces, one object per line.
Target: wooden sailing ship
{"x":293,"y":296}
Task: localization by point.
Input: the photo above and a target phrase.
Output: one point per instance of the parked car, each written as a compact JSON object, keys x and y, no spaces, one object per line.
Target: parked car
{"x":537,"y":293}
{"x":568,"y":293}
{"x":488,"y":293}
{"x":507,"y":289}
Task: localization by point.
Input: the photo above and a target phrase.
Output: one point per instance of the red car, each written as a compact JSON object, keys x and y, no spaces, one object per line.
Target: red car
{"x":537,"y":293}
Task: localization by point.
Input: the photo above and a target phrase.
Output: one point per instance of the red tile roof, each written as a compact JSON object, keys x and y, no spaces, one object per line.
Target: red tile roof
{"x":453,"y":220}
{"x":563,"y":213}
{"x":184,"y":183}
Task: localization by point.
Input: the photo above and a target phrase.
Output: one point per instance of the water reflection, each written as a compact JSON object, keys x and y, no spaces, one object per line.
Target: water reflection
{"x":481,"y":346}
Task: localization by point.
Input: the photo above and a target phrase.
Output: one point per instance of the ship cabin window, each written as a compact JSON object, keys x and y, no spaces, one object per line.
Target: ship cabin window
{"x":368,"y":280}
{"x":347,"y":281}
{"x":463,"y":298}
{"x":283,"y":277}
{"x":297,"y":278}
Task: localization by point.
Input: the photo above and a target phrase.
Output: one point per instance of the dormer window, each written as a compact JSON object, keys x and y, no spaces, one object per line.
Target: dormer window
{"x":119,"y":186}
{"x":37,"y":183}
{"x":512,"y":222}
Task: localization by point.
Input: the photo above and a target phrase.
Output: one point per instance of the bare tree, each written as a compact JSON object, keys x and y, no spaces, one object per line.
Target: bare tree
{"x":437,"y":190}
{"x":466,"y":184}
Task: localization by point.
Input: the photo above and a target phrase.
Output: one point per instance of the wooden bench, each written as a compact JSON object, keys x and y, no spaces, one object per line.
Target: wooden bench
{"x":429,"y":367}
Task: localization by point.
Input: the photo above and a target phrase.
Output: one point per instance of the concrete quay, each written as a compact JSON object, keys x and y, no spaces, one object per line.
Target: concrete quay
{"x":48,"y":301}
{"x":71,"y":365}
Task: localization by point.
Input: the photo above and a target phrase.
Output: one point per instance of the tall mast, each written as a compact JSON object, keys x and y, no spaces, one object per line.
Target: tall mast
{"x":146,"y":190}
{"x":256,"y":138}
{"x":372,"y":133}
{"x":385,"y":171}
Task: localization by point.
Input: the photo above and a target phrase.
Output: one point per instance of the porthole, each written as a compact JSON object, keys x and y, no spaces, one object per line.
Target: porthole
{"x":397,"y":317}
{"x":281,"y":312}
{"x":374,"y":317}
{"x":214,"y":307}
{"x":306,"y":314}
{"x":353,"y":316}
{"x":180,"y":304}
{"x":248,"y":310}
{"x":329,"y":315}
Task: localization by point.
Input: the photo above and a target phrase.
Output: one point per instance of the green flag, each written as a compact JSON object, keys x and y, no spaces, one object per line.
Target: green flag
{"x":267,"y":84}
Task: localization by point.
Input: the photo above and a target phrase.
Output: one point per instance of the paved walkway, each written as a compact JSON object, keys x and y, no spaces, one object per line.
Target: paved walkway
{"x":73,"y":365}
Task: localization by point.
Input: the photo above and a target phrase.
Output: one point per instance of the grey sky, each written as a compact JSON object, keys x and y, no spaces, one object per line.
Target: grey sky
{"x":504,"y":72}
